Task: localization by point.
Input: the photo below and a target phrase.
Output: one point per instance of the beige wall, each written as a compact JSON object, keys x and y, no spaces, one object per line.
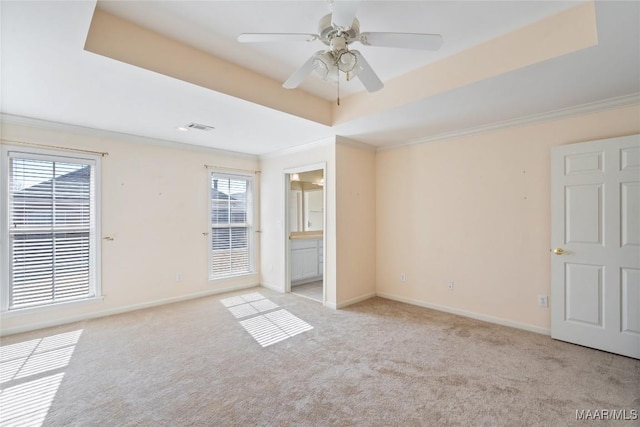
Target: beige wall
{"x":356,"y":223}
{"x":154,"y":205}
{"x":476,"y":211}
{"x":472,"y":210}
{"x":273,"y":235}
{"x":350,"y":218}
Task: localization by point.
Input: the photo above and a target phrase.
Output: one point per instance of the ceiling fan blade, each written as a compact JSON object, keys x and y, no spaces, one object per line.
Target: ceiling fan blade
{"x":276,"y":37}
{"x":366,"y":75}
{"x":301,"y":73}
{"x":402,"y":40}
{"x":343,"y":14}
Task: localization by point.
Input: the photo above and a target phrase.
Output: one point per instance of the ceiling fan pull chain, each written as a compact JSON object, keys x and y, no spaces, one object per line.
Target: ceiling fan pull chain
{"x":338,"y":84}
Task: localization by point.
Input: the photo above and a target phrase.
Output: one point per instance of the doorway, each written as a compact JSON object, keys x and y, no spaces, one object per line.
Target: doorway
{"x":304,"y":232}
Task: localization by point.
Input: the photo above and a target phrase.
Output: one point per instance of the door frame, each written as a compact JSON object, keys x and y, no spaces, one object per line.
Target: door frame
{"x":286,"y":173}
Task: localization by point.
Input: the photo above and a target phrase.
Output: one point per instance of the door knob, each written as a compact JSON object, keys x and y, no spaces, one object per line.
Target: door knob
{"x":558,"y":251}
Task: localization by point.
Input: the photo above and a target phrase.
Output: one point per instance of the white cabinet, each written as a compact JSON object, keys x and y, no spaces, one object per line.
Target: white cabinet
{"x":307,"y":260}
{"x":296,"y":265}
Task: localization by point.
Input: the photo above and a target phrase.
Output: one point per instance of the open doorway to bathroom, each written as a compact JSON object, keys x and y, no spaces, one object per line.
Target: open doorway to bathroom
{"x":305,"y":219}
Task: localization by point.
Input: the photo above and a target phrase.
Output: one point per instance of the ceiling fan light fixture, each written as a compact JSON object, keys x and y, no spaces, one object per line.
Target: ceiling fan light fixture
{"x":338,"y":30}
{"x":324,"y":65}
{"x":353,"y":73}
{"x":333,"y":75}
{"x":347,"y":61}
{"x":321,"y":65}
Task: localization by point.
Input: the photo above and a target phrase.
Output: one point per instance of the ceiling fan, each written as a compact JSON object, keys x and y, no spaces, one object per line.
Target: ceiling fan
{"x":338,"y":30}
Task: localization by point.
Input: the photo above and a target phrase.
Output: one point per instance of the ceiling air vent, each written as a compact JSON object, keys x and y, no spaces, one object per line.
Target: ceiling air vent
{"x":198,"y":126}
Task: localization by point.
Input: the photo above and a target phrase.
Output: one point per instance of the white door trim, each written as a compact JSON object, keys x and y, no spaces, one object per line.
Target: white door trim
{"x":285,"y":220}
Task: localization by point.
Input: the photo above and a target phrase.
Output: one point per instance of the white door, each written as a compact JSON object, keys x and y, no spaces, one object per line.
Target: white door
{"x":595,"y":259}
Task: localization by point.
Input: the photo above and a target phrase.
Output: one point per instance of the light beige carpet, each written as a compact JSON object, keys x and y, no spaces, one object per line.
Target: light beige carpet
{"x":376,"y":363}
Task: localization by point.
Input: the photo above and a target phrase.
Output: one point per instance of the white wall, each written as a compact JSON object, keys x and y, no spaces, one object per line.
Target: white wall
{"x":154,"y":205}
{"x":350,"y":216}
{"x":272,"y":205}
{"x":476,"y":211}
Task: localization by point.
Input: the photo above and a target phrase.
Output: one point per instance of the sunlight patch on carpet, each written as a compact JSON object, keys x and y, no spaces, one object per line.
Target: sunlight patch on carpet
{"x":264,"y":305}
{"x":27,"y":404}
{"x":249,"y":304}
{"x":30,"y":374}
{"x":290,"y":324}
{"x":263,"y":331}
{"x":242,"y":299}
{"x":266,"y":326}
{"x":274,"y":327}
{"x":230,"y":302}
{"x":243,"y":310}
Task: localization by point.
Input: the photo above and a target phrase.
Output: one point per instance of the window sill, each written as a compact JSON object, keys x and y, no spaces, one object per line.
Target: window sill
{"x":232,"y":277}
{"x":50,"y":307}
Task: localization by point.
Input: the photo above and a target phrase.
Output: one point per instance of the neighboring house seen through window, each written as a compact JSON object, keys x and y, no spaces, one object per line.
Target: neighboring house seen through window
{"x":49,"y":231}
{"x":231,"y":225}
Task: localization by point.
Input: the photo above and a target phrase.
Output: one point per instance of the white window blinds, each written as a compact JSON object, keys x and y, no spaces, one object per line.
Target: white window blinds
{"x":51,"y":229}
{"x":231,"y":215}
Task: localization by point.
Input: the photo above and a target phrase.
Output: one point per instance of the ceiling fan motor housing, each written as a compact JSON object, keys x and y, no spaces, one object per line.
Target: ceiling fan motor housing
{"x":328,"y":32}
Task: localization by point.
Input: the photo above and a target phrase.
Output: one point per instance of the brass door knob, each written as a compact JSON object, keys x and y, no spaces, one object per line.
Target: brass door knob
{"x":558,"y":251}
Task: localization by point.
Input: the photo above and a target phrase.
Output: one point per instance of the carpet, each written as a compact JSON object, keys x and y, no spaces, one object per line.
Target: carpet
{"x":376,"y":363}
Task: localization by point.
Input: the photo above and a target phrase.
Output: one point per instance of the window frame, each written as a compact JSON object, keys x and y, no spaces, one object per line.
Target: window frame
{"x":7,"y":152}
{"x":250,"y":220}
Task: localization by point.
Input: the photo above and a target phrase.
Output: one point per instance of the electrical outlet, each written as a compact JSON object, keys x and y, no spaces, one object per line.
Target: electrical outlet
{"x":450,"y":286}
{"x":403,"y":277}
{"x":178,"y":277}
{"x":543,"y":301}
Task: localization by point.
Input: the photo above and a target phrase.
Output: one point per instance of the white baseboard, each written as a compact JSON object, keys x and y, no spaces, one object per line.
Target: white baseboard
{"x":272,"y":287}
{"x":465,"y":313}
{"x":305,"y":281}
{"x":331,"y":305}
{"x":355,"y":300}
{"x":119,"y":310}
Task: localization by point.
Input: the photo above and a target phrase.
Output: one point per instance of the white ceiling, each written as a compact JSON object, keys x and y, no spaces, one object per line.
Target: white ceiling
{"x":46,"y":74}
{"x":215,"y":26}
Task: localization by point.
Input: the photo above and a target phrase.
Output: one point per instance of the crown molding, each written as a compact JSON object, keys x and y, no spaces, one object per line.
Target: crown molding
{"x":578,"y":110}
{"x":593,"y":107}
{"x":100,"y":133}
{"x":342,"y":140}
{"x":324,"y":142}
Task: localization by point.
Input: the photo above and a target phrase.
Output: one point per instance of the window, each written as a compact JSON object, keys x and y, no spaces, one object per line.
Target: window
{"x":49,"y":229}
{"x":231,"y":231}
